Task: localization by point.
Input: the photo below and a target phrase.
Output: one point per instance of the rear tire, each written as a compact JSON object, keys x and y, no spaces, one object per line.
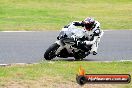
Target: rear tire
{"x":50,"y":52}
{"x":77,"y":58}
{"x":79,"y":55}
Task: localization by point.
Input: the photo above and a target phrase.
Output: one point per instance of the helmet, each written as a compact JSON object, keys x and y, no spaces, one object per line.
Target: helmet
{"x":88,"y":23}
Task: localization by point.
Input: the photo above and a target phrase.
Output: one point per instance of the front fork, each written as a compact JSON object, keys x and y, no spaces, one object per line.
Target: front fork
{"x":59,"y":42}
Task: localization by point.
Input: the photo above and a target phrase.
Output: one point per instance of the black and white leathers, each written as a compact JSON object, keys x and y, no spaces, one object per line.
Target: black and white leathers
{"x":93,"y":35}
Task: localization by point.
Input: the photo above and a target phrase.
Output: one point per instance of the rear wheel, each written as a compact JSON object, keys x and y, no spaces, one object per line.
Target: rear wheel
{"x":79,"y":55}
{"x":50,"y":52}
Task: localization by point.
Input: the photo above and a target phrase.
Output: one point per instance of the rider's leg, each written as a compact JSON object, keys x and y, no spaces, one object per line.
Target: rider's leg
{"x":95,"y":46}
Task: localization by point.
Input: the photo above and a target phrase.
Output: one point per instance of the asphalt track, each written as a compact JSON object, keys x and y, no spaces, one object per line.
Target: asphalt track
{"x":29,"y":47}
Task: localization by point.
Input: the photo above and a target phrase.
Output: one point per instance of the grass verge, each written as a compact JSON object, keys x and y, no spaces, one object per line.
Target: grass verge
{"x":58,"y":73}
{"x":54,"y":14}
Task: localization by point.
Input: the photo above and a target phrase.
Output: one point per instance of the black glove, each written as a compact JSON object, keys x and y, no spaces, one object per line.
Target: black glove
{"x":76,"y":23}
{"x":81,"y":43}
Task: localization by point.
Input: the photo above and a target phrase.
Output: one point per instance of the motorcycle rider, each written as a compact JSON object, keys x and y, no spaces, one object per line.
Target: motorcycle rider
{"x":92,"y":31}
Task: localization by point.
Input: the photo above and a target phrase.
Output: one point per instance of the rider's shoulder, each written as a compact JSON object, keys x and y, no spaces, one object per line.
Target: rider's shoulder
{"x":97,"y":23}
{"x":97,"y":29}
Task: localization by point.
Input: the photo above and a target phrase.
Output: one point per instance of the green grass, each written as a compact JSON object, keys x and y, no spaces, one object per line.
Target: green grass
{"x":64,"y":70}
{"x":54,"y":14}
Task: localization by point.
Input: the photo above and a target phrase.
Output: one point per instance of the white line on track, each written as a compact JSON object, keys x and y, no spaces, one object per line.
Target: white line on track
{"x":3,"y":65}
{"x":51,"y":30}
{"x":41,"y":31}
{"x":30,"y":31}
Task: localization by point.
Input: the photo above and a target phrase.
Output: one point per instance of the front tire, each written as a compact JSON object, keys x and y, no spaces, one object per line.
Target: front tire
{"x":50,"y":52}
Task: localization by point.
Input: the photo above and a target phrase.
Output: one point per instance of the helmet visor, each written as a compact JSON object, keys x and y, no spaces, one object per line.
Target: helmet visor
{"x":88,"y":25}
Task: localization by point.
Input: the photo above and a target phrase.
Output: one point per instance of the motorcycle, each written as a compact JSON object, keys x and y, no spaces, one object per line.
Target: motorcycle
{"x":69,"y":44}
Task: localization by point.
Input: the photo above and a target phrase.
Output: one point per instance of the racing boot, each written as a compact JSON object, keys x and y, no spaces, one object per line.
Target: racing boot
{"x":94,"y":53}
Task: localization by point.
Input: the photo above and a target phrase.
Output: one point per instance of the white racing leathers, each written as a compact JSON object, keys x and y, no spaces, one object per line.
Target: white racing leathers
{"x":93,"y":36}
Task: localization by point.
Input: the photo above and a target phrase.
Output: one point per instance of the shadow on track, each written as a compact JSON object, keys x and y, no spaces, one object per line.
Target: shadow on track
{"x":71,"y":59}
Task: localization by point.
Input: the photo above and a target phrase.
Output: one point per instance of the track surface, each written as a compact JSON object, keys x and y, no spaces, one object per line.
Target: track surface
{"x":29,"y":47}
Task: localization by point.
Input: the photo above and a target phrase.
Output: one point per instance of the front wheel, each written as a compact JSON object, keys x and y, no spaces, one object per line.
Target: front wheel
{"x":50,"y":52}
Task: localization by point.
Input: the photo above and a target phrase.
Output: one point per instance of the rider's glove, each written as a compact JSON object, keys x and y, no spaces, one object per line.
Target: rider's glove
{"x":80,"y":43}
{"x":76,"y":23}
